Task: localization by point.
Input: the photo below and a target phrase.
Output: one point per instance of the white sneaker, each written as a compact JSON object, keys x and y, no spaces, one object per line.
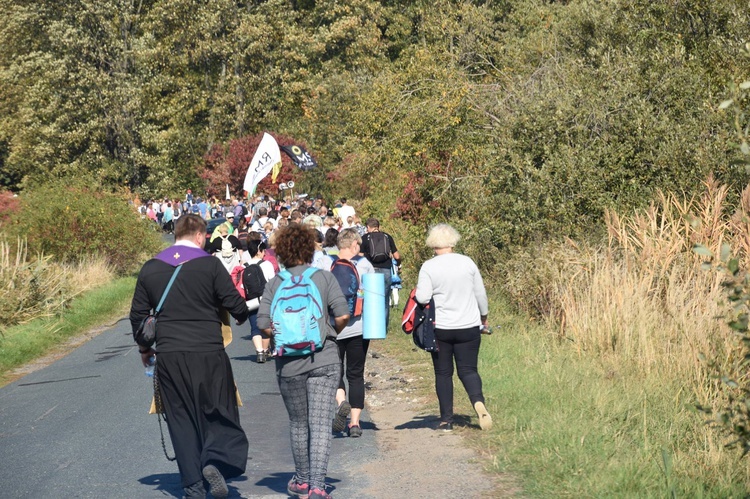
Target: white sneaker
{"x":485,"y":420}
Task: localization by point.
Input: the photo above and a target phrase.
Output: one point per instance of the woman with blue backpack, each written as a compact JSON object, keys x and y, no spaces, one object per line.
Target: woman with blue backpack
{"x":305,"y":310}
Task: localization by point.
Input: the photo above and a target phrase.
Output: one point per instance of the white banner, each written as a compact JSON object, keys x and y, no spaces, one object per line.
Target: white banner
{"x":265,"y":158}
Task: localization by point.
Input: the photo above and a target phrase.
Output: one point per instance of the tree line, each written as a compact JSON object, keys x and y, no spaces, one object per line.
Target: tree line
{"x":518,"y":119}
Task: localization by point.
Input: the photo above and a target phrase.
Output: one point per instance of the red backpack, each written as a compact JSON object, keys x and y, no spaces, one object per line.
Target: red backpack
{"x":236,"y":275}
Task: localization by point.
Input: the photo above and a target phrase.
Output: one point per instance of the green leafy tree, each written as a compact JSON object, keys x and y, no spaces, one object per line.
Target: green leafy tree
{"x":73,"y":220}
{"x":731,"y":414}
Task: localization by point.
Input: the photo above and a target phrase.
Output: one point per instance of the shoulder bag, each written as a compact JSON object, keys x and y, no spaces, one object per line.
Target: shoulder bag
{"x":145,"y":335}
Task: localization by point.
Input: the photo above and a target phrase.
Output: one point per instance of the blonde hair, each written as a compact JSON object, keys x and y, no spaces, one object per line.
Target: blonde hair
{"x":347,"y":237}
{"x":313,"y":221}
{"x":442,"y":236}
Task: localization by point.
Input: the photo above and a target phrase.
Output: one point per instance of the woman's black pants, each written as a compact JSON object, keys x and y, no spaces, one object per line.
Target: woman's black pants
{"x":353,"y":353}
{"x":463,"y":346}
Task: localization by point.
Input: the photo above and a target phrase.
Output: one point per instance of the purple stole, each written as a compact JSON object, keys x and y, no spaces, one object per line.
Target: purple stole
{"x":176,"y":255}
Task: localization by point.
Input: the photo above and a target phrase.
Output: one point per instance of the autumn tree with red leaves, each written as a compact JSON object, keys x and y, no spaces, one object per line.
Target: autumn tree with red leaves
{"x":422,"y":194}
{"x":228,"y":164}
{"x":9,"y":204}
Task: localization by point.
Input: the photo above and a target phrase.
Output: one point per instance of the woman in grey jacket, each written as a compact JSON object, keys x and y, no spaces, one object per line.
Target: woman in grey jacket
{"x":461,"y":309}
{"x":308,"y":383}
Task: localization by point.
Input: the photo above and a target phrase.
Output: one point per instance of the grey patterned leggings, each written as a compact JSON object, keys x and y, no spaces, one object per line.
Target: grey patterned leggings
{"x":310,"y":400}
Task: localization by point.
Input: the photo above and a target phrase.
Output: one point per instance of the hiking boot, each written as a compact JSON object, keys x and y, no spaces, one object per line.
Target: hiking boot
{"x":485,"y":420}
{"x":260,"y":357}
{"x":339,"y":422}
{"x":445,"y":426}
{"x":318,"y":494}
{"x":216,"y":483}
{"x":297,"y":489}
{"x":355,"y":431}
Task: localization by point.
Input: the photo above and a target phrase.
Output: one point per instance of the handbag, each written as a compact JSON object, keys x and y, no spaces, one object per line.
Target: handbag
{"x":145,"y":335}
{"x":419,"y":321}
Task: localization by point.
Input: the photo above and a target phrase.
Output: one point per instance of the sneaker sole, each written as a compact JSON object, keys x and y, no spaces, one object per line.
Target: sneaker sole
{"x":339,"y":422}
{"x":485,"y":420}
{"x":216,"y":482}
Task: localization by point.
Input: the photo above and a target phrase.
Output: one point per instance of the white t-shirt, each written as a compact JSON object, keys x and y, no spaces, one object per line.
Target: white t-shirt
{"x":258,"y":224}
{"x":345,"y":212}
{"x":265,"y":266}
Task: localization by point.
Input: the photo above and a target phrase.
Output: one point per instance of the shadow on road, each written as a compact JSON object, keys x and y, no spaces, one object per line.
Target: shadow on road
{"x":167,"y":483}
{"x":432,"y":421}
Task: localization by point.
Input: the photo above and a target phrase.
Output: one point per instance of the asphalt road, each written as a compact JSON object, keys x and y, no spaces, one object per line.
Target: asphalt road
{"x":80,"y":428}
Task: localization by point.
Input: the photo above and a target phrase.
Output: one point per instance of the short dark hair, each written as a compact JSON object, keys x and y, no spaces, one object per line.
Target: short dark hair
{"x":373,"y":223}
{"x":331,"y":238}
{"x":256,"y":246}
{"x":189,"y":224}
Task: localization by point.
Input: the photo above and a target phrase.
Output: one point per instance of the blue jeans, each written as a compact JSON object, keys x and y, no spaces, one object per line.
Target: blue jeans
{"x":387,"y":276}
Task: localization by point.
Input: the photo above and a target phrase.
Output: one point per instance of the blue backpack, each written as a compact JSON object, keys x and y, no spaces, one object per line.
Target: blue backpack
{"x":296,"y":309}
{"x":345,"y":272}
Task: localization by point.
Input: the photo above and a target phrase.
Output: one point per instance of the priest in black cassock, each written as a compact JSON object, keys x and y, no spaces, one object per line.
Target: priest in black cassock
{"x":194,"y":372}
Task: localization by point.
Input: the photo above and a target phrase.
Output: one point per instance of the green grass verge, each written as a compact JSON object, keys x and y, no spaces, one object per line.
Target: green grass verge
{"x":567,"y":426}
{"x":26,"y":342}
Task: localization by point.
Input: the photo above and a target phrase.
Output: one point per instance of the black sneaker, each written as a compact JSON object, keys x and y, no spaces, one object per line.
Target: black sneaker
{"x":355,"y":431}
{"x":445,"y":427}
{"x":216,"y":482}
{"x":339,"y":422}
{"x":260,"y":357}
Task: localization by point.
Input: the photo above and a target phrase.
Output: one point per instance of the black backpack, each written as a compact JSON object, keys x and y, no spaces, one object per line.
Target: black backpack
{"x":380,"y":250}
{"x":253,"y":281}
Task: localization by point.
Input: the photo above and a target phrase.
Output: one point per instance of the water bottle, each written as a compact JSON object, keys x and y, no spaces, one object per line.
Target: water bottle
{"x":485,"y":329}
{"x":150,"y":368}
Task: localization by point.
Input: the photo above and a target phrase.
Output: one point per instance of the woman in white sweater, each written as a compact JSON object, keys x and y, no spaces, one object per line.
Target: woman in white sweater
{"x":461,"y":309}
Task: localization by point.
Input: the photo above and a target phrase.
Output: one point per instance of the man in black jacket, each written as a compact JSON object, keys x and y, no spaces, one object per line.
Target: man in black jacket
{"x":193,"y":370}
{"x":380,"y":249}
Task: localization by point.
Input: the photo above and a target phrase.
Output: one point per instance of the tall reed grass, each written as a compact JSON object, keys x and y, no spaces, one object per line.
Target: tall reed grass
{"x":642,"y":305}
{"x":33,"y":287}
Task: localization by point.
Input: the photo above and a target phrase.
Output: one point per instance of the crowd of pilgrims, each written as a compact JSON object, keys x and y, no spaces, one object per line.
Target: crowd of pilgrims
{"x":261,"y":215}
{"x":241,"y":233}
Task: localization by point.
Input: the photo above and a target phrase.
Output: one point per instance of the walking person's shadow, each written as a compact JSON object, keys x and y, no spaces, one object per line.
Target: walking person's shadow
{"x":169,"y":484}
